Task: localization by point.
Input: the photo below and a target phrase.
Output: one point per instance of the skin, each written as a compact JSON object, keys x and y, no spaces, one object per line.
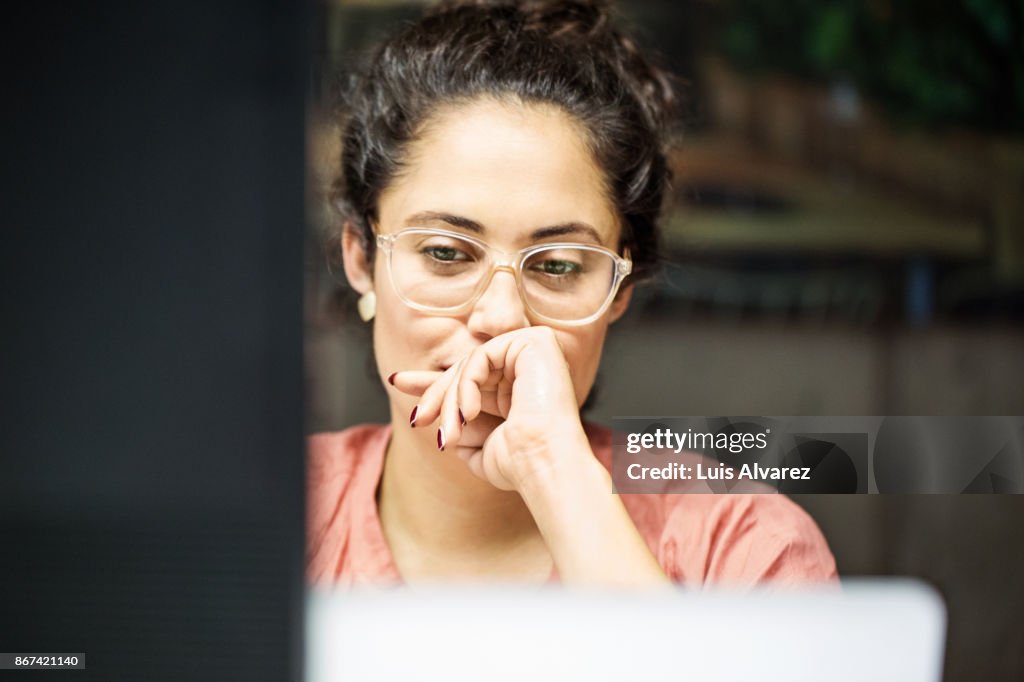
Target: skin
{"x":517,"y":488}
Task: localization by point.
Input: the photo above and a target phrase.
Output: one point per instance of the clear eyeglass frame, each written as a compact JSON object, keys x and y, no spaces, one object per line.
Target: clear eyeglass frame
{"x":510,"y":262}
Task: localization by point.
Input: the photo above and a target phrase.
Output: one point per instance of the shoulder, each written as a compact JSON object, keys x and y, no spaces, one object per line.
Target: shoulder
{"x":344,"y":450}
{"x":342,"y":472}
{"x":725,"y":539}
{"x":340,"y":464}
{"x":744,"y":539}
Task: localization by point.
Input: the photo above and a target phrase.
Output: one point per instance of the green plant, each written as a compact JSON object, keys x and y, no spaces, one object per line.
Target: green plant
{"x":928,"y":62}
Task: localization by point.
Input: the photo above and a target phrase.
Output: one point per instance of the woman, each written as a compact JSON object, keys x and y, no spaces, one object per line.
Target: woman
{"x":503,"y":168}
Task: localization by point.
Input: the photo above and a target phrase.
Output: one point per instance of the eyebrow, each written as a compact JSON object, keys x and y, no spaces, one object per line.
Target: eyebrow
{"x":572,"y":227}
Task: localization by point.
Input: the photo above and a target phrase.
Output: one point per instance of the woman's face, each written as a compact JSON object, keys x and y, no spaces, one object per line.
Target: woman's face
{"x":507,"y":170}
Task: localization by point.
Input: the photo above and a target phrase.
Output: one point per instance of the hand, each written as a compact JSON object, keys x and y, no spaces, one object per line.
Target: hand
{"x":523,"y":433}
{"x":520,"y":377}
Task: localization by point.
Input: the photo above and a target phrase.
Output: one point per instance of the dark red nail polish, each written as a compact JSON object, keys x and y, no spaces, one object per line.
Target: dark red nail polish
{"x":412,"y":417}
{"x":440,"y":439}
{"x":391,"y":378}
{"x":461,"y":418}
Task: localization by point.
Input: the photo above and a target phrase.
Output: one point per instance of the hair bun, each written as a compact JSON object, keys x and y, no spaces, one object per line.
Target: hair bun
{"x":580,"y":19}
{"x":589,"y":23}
{"x":574,"y":18}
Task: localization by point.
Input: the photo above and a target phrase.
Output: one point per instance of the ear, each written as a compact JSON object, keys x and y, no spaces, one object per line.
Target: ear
{"x":621,"y":303}
{"x":357,"y":270}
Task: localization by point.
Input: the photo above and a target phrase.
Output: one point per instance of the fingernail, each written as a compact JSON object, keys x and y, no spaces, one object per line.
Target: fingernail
{"x":440,"y":439}
{"x":391,"y":378}
{"x":461,"y":418}
{"x":412,"y":417}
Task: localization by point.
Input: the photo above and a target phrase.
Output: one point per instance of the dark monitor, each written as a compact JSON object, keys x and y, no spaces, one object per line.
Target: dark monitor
{"x":151,"y":478}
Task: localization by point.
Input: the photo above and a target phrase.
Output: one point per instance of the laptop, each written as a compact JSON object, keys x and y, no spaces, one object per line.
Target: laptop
{"x":891,"y":629}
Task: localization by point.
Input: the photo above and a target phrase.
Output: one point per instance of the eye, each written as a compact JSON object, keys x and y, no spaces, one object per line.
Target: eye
{"x":557,"y":267}
{"x":445,"y":254}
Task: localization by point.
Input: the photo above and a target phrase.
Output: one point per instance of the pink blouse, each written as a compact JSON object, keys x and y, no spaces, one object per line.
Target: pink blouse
{"x":698,"y":539}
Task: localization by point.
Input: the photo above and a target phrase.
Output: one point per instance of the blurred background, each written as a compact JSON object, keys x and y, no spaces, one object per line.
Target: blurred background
{"x":845,"y":236}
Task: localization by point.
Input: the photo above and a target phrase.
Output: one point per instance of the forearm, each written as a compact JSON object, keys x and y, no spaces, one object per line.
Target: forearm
{"x":589,"y":532}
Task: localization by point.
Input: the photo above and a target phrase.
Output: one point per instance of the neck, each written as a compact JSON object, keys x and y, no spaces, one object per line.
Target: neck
{"x":432,"y":499}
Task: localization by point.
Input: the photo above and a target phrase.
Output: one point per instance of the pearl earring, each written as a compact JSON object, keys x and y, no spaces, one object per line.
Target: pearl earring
{"x":367,"y":306}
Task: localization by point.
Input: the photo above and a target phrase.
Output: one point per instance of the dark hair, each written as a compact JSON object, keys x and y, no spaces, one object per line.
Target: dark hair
{"x":564,"y":53}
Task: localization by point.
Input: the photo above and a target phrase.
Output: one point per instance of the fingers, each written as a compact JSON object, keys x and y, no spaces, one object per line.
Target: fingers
{"x":473,"y":459}
{"x":470,"y":446}
{"x":478,"y":385}
{"x":483,"y":467}
{"x":417,"y":383}
{"x":482,"y":382}
{"x":414,"y":382}
{"x":471,"y":449}
{"x":490,"y":370}
{"x":449,"y":429}
{"x":463,"y":398}
{"x":493,"y":368}
{"x":429,"y":406}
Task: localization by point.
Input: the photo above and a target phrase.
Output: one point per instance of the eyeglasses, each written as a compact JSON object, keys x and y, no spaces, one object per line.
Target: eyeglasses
{"x":444,"y":272}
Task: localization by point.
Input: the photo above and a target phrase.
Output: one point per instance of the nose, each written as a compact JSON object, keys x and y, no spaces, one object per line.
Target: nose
{"x":499,"y":308}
